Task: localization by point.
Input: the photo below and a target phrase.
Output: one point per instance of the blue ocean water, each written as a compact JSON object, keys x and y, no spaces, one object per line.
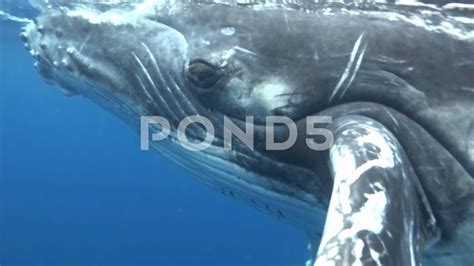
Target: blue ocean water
{"x":75,"y":189}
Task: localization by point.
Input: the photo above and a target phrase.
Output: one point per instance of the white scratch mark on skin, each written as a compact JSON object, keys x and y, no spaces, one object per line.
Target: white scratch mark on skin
{"x":286,"y":21}
{"x":467,"y":89}
{"x":356,"y":70}
{"x":142,"y":85}
{"x":392,"y":117}
{"x":470,"y":141}
{"x":231,"y":52}
{"x":390,"y":234}
{"x":84,"y":43}
{"x":157,"y":68}
{"x":349,"y":67}
{"x":240,"y":49}
{"x":410,"y":241}
{"x":148,"y":77}
{"x":152,"y":57}
{"x":145,"y":71}
{"x":155,"y":88}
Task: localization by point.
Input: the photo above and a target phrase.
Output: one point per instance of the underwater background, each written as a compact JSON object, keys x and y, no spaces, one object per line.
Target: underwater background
{"x":75,"y":189}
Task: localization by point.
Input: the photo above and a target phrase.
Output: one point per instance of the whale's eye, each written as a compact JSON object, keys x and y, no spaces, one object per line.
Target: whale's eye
{"x":203,"y":74}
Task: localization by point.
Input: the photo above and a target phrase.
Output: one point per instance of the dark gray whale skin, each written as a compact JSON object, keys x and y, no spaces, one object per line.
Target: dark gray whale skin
{"x":397,"y":81}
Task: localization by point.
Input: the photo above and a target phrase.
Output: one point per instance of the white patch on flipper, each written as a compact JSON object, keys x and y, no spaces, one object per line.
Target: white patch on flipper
{"x":371,"y":216}
{"x":358,"y":251}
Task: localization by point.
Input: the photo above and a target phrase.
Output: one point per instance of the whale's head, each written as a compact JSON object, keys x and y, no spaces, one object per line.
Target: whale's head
{"x":177,"y":62}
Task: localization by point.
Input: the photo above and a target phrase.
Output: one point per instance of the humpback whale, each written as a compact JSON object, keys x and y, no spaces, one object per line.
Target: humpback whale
{"x":395,"y":188}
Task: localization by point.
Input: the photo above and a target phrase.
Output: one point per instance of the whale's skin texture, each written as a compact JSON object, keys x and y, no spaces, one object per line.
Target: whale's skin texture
{"x":397,"y":82}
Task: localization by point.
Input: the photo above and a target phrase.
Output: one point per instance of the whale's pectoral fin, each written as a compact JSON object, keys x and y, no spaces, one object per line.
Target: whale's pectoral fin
{"x":377,"y":214}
